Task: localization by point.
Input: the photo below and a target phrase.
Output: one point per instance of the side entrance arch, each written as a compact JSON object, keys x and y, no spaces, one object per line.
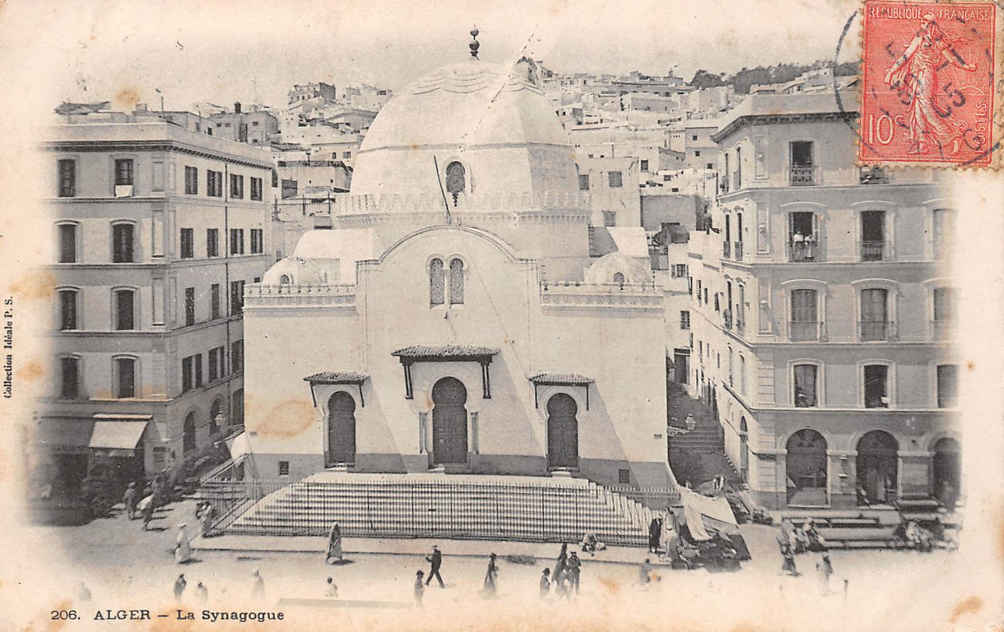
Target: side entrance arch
{"x":449,"y":422}
{"x":562,"y":432}
{"x":877,"y":466}
{"x":947,"y":471}
{"x":341,"y":428}
{"x":744,"y":451}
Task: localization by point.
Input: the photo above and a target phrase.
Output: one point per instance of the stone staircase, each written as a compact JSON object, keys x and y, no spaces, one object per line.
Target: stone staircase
{"x":538,"y":509}
{"x":697,"y":455}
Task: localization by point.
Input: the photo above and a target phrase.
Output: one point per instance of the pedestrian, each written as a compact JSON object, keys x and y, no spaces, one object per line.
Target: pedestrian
{"x":574,"y":566}
{"x":645,"y":572}
{"x":179,"y":586}
{"x":146,"y":506}
{"x":824,"y":570}
{"x":559,"y":565}
{"x":654,"y":531}
{"x":258,"y":589}
{"x":545,"y":583}
{"x":332,"y":589}
{"x":490,"y":577}
{"x":202,"y":593}
{"x":419,"y":588}
{"x":129,"y":500}
{"x":435,"y":561}
{"x":784,"y":542}
{"x":334,"y":544}
{"x":206,"y":516}
{"x":182,"y":547}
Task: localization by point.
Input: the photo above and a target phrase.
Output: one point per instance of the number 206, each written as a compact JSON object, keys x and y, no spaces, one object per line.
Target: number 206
{"x":63,"y":615}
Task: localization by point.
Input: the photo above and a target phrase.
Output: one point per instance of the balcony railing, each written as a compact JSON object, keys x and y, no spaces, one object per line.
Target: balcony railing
{"x":726,"y":252}
{"x":800,"y":330}
{"x":873,"y":175}
{"x":802,"y":175}
{"x":737,"y":247}
{"x":803,"y":250}
{"x":942,"y":329}
{"x":870,"y":330}
{"x":872,"y":250}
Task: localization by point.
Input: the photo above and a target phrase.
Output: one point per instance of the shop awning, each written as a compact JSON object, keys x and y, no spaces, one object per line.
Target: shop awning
{"x":117,"y":435}
{"x":560,"y":379}
{"x":64,"y":435}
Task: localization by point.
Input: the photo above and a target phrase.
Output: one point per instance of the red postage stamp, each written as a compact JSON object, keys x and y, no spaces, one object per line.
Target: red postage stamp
{"x":928,"y":84}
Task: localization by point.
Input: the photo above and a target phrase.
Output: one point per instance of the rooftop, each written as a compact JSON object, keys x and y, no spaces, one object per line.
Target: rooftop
{"x":841,"y":103}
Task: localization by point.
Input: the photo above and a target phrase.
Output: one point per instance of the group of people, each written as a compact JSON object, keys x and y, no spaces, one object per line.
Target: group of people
{"x":201,"y":592}
{"x":141,"y":501}
{"x":565,"y":577}
{"x":793,"y":540}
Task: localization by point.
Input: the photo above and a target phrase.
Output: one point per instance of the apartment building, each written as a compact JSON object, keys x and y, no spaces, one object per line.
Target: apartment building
{"x":823,"y":312}
{"x":156,"y":229}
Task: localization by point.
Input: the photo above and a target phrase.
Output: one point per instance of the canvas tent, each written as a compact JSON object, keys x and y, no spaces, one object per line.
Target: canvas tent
{"x":706,"y":516}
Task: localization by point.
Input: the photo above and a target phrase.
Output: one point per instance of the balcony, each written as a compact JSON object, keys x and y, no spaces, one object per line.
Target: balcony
{"x":803,"y":175}
{"x":942,"y":329}
{"x":872,"y":250}
{"x":870,"y":331}
{"x":726,"y":251}
{"x":804,"y":250}
{"x":737,"y":247}
{"x":737,"y":179}
{"x":873,"y":175}
{"x":802,"y":331}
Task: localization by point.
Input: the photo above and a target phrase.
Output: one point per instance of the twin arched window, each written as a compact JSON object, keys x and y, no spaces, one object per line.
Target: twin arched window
{"x":437,"y":282}
{"x":456,"y":180}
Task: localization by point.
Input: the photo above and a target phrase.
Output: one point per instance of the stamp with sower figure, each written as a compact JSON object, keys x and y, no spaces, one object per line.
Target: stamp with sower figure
{"x":928,"y":84}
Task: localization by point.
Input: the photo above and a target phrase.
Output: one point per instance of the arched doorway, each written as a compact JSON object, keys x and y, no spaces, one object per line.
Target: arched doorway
{"x":188,"y":434}
{"x":449,"y":422}
{"x":341,"y":428}
{"x":744,"y":451}
{"x":806,"y":468}
{"x":947,"y":474}
{"x":215,"y":411}
{"x":876,"y":466}
{"x":562,"y":432}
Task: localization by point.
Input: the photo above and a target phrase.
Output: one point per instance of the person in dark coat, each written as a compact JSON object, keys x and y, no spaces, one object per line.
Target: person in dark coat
{"x":558,"y":576}
{"x":179,"y":586}
{"x":490,"y":577}
{"x":654,"y":532}
{"x":545,"y":583}
{"x":574,"y":566}
{"x":129,"y":500}
{"x":435,"y":562}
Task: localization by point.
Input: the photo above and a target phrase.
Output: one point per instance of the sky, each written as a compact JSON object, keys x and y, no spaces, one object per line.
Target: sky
{"x":224,"y":51}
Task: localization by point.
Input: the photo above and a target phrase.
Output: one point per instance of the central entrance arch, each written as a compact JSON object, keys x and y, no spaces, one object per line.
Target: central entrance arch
{"x":341,"y":428}
{"x":806,"y":468}
{"x":562,"y":432}
{"x":449,"y":422}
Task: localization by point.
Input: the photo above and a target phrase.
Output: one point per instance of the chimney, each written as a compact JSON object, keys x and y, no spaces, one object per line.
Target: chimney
{"x":237,"y":107}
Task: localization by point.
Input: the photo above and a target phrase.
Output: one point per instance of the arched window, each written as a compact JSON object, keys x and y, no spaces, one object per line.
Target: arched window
{"x":456,"y":282}
{"x":216,"y":410}
{"x":619,"y":278}
{"x":456,"y":180}
{"x":437,"y":282}
{"x":285,"y":280}
{"x":68,"y":302}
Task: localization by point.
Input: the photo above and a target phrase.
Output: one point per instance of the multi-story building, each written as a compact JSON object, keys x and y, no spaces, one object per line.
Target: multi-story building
{"x":156,"y":230}
{"x":825,"y":313}
{"x":255,"y":127}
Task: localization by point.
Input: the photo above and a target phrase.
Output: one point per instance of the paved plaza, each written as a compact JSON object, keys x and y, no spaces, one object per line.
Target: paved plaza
{"x":375,"y":584}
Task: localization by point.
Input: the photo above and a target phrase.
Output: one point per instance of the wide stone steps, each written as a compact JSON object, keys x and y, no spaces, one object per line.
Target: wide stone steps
{"x":457,"y":506}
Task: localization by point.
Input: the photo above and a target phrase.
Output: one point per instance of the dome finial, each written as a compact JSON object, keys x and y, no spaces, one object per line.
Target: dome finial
{"x":474,"y":45}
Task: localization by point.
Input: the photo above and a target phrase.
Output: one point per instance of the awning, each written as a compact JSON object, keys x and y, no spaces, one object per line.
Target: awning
{"x":117,"y":435}
{"x":64,"y":435}
{"x":446,"y":353}
{"x":337,"y":377}
{"x":560,"y":379}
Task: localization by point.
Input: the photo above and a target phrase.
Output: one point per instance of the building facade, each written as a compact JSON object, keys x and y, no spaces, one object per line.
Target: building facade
{"x":156,"y":230}
{"x":825,"y":328}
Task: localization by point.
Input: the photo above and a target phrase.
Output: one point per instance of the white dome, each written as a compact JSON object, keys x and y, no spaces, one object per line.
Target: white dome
{"x":324,"y":257}
{"x":633,"y":270}
{"x":493,"y":119}
{"x":296,"y":271}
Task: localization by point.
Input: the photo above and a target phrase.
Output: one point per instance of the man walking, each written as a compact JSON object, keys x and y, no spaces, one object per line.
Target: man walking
{"x":574,"y":566}
{"x":435,"y":561}
{"x":129,"y":500}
